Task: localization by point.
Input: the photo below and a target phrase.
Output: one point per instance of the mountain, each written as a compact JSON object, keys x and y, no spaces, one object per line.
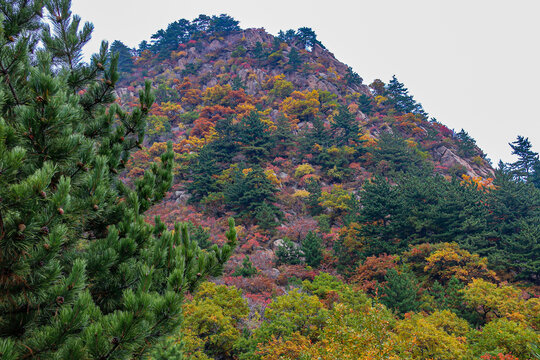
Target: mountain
{"x":328,"y":175}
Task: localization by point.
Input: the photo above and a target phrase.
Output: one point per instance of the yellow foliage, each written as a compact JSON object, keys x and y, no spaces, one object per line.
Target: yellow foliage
{"x":301,"y":193}
{"x":370,"y":141}
{"x":449,"y":260}
{"x":337,"y":199}
{"x":301,"y":106}
{"x":380,"y":99}
{"x":303,"y":169}
{"x":271,"y":175}
{"x":478,"y":182}
{"x":247,"y":171}
{"x":503,"y":301}
{"x":440,"y":336}
{"x":244,"y":109}
{"x":215,"y":95}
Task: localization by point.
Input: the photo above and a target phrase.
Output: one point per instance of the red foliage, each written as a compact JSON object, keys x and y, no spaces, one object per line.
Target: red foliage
{"x":370,"y":274}
{"x":499,"y":356}
{"x":297,"y":271}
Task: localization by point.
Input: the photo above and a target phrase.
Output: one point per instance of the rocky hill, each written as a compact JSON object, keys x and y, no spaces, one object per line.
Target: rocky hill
{"x":278,"y":133}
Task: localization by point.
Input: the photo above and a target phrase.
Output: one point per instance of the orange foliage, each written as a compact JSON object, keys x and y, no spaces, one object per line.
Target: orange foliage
{"x":478,"y":182}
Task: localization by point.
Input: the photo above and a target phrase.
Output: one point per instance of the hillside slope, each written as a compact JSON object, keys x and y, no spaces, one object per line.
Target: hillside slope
{"x":327,"y":175}
{"x":278,"y":133}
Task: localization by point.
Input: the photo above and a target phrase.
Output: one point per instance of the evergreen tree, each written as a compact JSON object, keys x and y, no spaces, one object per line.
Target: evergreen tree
{"x":523,"y":168}
{"x":400,"y":292}
{"x":307,"y":38}
{"x":125,"y":56}
{"x":312,"y":249}
{"x":345,"y":127}
{"x":312,"y":201}
{"x":84,"y":276}
{"x":255,"y":137}
{"x":403,"y":102}
{"x":282,"y":137}
{"x":202,"y":173}
{"x":352,"y":78}
{"x":294,"y":59}
{"x":258,"y":52}
{"x":395,"y":156}
{"x":365,"y":105}
{"x":467,"y":145}
{"x":248,"y":193}
{"x":247,"y":269}
{"x":514,"y":217}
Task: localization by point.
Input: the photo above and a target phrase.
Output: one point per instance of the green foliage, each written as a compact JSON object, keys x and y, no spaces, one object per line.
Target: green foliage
{"x":312,"y":201}
{"x":400,"y":98}
{"x":466,"y":144}
{"x":125,"y":56}
{"x":440,"y":335}
{"x":312,"y":249}
{"x":345,"y":127}
{"x":395,"y":156}
{"x":523,"y":168}
{"x":506,"y":337}
{"x":295,"y":60}
{"x":247,"y":269}
{"x":182,"y":31}
{"x":252,"y":194}
{"x":288,"y":253}
{"x":85,"y":276}
{"x":203,"y":173}
{"x":400,"y":292}
{"x":239,"y":51}
{"x":352,"y":78}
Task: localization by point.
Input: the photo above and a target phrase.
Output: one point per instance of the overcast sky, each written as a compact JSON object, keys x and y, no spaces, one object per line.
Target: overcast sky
{"x":473,"y":64}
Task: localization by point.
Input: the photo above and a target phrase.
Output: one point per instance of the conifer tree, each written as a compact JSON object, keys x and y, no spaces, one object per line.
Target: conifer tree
{"x":523,"y":168}
{"x":247,"y":269}
{"x":252,"y":194}
{"x":402,"y":100}
{"x":345,"y":127}
{"x":312,"y":249}
{"x":83,"y":275}
{"x":125,"y":60}
{"x":400,"y":291}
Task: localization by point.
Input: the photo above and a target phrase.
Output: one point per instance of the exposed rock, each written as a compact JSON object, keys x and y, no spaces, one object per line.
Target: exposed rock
{"x":271,"y":273}
{"x":448,"y":158}
{"x":278,"y":243}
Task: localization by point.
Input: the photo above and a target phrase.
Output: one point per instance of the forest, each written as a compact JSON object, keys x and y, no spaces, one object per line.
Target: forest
{"x":224,"y":193}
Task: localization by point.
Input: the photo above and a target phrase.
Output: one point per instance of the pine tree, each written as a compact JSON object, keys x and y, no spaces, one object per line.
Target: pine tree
{"x":247,"y":269}
{"x":400,"y":292}
{"x":83,"y":275}
{"x":403,"y":102}
{"x":255,"y":137}
{"x":252,"y":193}
{"x":202,"y":173}
{"x":345,"y":127}
{"x":523,"y":168}
{"x":125,"y":56}
{"x":312,"y":249}
{"x":294,"y":60}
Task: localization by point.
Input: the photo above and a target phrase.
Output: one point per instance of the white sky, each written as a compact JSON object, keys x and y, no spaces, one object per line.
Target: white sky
{"x":473,"y":64}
